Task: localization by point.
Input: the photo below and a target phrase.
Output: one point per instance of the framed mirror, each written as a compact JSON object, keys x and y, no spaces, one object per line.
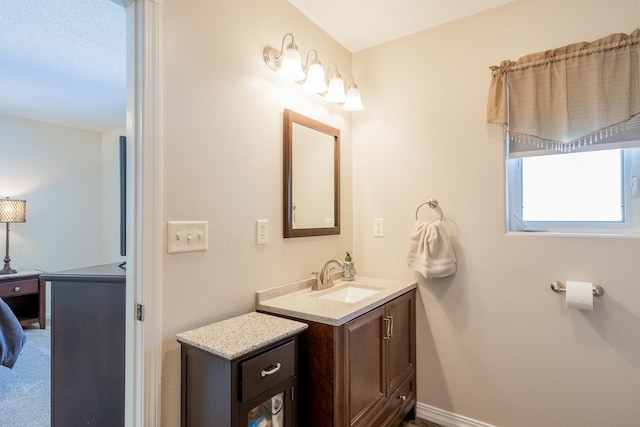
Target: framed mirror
{"x":311,"y":177}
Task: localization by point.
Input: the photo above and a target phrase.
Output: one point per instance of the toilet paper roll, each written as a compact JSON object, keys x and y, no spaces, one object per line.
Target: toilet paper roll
{"x":579,"y":295}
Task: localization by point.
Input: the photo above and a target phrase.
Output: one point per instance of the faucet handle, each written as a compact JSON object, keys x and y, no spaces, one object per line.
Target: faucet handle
{"x":317,"y":284}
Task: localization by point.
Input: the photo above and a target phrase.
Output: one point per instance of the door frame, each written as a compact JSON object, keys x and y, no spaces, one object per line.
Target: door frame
{"x":144,"y":220}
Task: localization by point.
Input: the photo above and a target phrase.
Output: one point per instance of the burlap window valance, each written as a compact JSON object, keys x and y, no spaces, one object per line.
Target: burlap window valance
{"x":577,"y":97}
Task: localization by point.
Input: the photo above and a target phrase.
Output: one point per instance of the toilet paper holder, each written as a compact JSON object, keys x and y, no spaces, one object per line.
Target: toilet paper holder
{"x":557,"y":286}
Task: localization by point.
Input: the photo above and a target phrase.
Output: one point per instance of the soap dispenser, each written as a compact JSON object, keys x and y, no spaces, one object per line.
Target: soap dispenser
{"x":348,"y":269}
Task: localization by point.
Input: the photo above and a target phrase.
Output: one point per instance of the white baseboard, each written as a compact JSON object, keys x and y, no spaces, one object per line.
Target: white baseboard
{"x":444,"y":418}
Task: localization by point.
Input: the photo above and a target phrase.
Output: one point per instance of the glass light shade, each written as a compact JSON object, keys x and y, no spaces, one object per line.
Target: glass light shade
{"x":12,"y":210}
{"x":315,"y":79}
{"x":336,"y":91}
{"x":291,"y":66}
{"x":353,"y":102}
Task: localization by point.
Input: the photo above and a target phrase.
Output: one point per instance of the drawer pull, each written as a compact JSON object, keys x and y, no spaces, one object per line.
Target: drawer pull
{"x":16,"y":289}
{"x":273,"y":370}
{"x":403,"y":398}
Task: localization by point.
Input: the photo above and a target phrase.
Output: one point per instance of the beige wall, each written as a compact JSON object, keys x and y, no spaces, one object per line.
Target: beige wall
{"x":494,"y":342}
{"x":222,"y":125}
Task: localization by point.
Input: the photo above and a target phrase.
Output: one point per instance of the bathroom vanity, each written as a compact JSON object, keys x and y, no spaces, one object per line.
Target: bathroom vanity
{"x":240,"y":372}
{"x":358,"y":355}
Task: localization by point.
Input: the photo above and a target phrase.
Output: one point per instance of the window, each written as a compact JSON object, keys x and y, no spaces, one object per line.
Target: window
{"x":571,"y":120}
{"x":589,"y":191}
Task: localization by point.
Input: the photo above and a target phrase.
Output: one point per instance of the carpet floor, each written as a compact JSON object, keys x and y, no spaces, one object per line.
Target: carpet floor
{"x":25,"y":390}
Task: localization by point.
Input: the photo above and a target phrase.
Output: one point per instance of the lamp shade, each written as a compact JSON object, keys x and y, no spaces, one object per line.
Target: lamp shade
{"x":336,"y":91}
{"x":291,"y":66}
{"x":13,"y":210}
{"x":315,"y":79}
{"x":353,"y":102}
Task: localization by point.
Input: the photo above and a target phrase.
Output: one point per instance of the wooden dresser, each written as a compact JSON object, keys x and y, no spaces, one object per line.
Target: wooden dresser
{"x":88,"y":346}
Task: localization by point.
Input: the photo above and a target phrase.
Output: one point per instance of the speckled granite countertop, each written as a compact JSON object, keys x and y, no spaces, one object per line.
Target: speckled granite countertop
{"x":235,"y":337}
{"x":298,"y":300}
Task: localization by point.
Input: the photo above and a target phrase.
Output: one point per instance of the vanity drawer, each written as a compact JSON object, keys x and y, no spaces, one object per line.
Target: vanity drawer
{"x":266,"y":370}
{"x":19,"y":287}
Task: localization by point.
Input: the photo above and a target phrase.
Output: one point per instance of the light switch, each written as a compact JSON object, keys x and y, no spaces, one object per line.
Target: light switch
{"x":187,"y":236}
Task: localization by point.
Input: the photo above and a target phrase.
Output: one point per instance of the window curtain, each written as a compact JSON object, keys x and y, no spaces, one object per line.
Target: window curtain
{"x":584,"y":96}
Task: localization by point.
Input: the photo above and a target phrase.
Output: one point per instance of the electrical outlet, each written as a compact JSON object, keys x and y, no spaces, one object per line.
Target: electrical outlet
{"x":262,"y":231}
{"x":187,"y":236}
{"x":378,"y":227}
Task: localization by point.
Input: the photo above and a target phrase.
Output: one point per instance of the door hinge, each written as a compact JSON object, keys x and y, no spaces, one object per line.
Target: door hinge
{"x":140,"y":312}
{"x":292,"y":393}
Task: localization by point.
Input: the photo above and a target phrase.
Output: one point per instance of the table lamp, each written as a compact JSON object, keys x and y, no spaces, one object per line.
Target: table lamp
{"x":11,"y":210}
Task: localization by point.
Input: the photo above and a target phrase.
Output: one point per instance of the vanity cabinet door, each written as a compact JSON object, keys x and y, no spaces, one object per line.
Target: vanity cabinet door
{"x":380,"y":356}
{"x":365,"y":360}
{"x":402,"y":345}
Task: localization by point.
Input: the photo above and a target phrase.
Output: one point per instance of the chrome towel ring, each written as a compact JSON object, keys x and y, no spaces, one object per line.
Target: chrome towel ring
{"x":433,"y":204}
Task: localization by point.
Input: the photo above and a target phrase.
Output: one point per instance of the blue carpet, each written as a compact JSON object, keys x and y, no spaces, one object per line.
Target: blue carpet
{"x":25,"y":390}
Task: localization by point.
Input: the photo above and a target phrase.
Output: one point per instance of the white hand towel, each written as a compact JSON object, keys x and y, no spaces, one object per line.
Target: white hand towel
{"x":431,"y":253}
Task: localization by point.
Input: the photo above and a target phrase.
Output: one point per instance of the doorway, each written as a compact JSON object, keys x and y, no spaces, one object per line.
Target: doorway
{"x":144,"y":243}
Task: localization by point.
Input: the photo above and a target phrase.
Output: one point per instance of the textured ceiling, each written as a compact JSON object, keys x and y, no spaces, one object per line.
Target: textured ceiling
{"x":64,"y":61}
{"x":360,"y":24}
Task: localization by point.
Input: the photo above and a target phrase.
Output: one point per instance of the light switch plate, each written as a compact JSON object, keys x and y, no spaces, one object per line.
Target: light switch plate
{"x":187,"y":236}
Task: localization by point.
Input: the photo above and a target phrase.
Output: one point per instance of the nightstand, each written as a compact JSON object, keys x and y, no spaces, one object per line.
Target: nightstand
{"x":25,"y":293}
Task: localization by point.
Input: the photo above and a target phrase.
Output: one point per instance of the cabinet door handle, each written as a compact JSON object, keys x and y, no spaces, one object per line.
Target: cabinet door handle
{"x":270,"y":371}
{"x":391,"y":327}
{"x":16,"y":289}
{"x":387,"y":322}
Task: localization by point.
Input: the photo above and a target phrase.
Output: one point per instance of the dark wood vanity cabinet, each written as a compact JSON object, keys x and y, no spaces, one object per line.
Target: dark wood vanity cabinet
{"x":240,"y":372}
{"x":361,"y":373}
{"x":234,"y":393}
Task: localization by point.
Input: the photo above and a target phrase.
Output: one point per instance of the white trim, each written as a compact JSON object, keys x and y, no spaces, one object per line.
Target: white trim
{"x":145,"y":247}
{"x":445,"y":418}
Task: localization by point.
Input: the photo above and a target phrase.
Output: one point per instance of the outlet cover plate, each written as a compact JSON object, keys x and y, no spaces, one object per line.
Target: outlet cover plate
{"x":378,"y":227}
{"x":262,"y":232}
{"x":187,"y":236}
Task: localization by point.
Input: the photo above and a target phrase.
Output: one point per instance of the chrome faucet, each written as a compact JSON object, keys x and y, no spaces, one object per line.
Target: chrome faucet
{"x":323,"y":280}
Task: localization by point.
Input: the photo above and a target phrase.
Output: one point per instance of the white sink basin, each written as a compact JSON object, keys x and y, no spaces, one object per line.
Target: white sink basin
{"x":349,"y":294}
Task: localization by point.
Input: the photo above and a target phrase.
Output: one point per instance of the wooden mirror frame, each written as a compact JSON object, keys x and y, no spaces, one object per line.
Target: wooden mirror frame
{"x":290,"y":117}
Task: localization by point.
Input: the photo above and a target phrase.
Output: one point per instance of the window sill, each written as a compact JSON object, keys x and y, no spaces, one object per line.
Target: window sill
{"x":629,"y":235}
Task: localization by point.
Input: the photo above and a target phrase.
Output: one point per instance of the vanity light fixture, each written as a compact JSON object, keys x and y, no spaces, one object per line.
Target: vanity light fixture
{"x":353,"y":101}
{"x":287,"y":62}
